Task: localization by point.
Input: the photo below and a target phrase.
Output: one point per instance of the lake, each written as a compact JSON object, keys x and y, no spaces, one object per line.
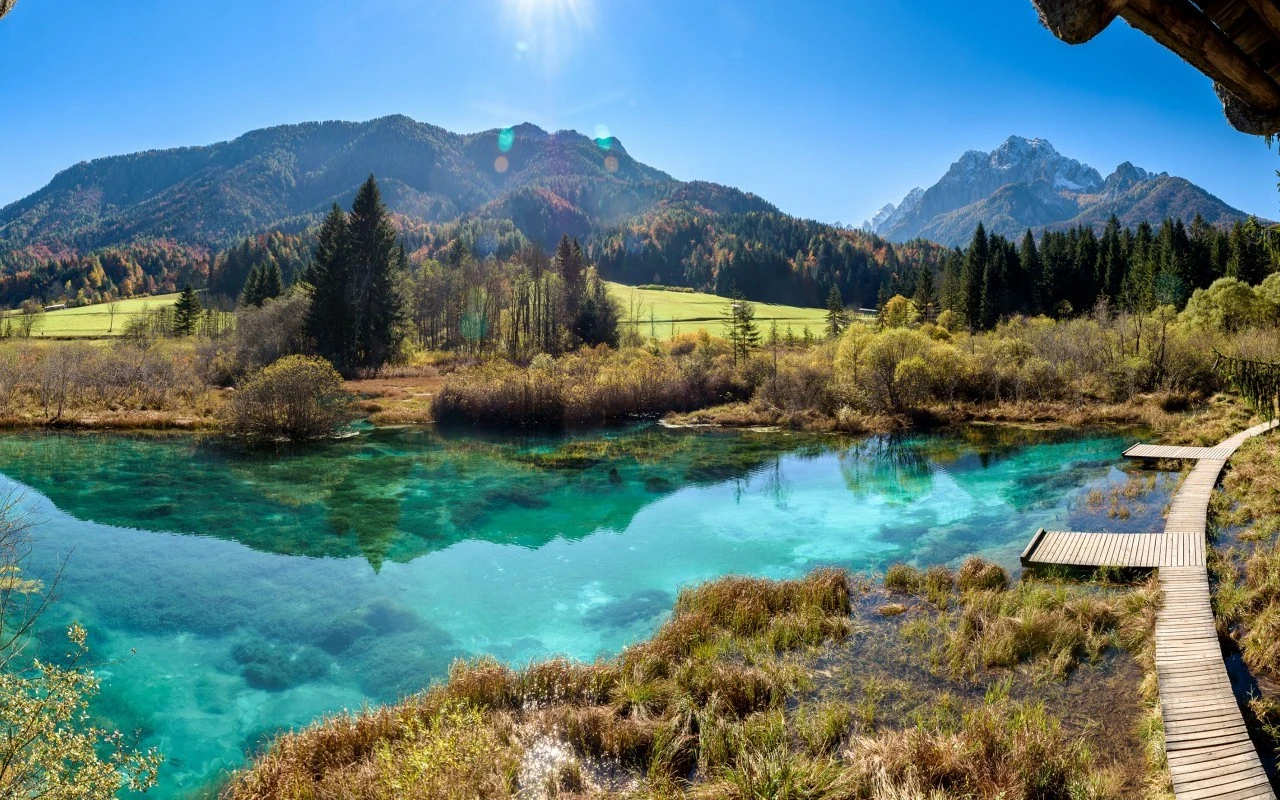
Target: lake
{"x":229,"y":595}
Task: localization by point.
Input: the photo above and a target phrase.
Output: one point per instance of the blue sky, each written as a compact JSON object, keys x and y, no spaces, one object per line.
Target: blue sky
{"x":828,"y":109}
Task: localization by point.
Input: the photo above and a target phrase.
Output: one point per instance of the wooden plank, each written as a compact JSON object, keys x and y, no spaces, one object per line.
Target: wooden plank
{"x":1031,"y":546}
{"x":1207,"y":745}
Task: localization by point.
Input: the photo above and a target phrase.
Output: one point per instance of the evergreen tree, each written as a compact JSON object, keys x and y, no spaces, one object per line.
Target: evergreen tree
{"x":926,"y":295}
{"x":375,"y":291}
{"x":993,"y":283}
{"x":1032,"y":271}
{"x":837,"y":319}
{"x":272,"y":282}
{"x":329,"y":319}
{"x":740,"y":327}
{"x":186,"y":312}
{"x":1111,"y":260}
{"x":569,"y":264}
{"x":251,"y":294}
{"x":975,"y":268}
{"x":598,"y":314}
{"x":1249,"y":259}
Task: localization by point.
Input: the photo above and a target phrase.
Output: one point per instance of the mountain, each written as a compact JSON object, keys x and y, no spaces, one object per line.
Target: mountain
{"x":1026,"y":183}
{"x":286,"y":177}
{"x":152,"y":222}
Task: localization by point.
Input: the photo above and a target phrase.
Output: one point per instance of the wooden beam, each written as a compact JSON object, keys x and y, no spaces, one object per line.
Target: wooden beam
{"x":1184,"y":29}
{"x":1077,"y":21}
{"x":1269,"y":13}
{"x":6,"y":6}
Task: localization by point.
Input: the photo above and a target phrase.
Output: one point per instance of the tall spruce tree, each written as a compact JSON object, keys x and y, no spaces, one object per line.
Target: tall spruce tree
{"x":272,"y":281}
{"x":377,"y":266}
{"x":1032,"y":272}
{"x":837,"y":319}
{"x":569,"y":263}
{"x":974,"y":272}
{"x":186,"y":312}
{"x":926,"y":295}
{"x":251,"y":294}
{"x":329,"y":319}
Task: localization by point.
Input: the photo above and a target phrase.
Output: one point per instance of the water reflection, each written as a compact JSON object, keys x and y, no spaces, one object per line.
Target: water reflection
{"x":261,"y":590}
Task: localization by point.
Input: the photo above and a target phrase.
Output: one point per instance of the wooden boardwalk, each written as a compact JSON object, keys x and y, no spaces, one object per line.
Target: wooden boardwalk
{"x":1209,"y":750}
{"x":1134,"y":550}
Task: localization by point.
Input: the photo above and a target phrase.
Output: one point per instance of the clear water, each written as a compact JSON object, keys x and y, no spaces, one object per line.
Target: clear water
{"x":238,"y":594}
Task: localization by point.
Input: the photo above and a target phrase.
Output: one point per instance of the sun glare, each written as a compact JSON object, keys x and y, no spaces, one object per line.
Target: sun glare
{"x":547,"y":29}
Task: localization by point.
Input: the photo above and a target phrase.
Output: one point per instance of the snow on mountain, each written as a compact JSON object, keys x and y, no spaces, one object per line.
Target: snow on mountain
{"x":1054,"y":189}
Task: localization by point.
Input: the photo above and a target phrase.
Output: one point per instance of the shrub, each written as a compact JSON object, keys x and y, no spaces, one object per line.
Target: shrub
{"x":902,"y":578}
{"x":295,"y":399}
{"x":978,"y":574}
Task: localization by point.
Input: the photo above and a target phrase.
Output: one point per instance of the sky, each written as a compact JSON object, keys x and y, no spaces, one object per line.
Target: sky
{"x":827,"y":109}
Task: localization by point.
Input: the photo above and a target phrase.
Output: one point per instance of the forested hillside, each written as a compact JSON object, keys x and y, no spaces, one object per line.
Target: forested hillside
{"x":210,"y":216}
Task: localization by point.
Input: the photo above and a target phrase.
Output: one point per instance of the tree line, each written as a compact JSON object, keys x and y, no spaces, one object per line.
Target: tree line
{"x":1066,"y":273}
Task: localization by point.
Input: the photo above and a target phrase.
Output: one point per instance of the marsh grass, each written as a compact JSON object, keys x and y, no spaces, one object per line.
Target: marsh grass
{"x":1049,"y":625}
{"x":1245,"y":562}
{"x":726,"y":701}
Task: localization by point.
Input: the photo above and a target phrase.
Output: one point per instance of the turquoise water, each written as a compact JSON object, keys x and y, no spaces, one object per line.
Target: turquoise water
{"x":239,"y":594}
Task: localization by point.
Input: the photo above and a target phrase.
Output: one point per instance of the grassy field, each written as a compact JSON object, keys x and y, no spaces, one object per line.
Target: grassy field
{"x":662,"y":313}
{"x":677,"y":312}
{"x":92,"y":322}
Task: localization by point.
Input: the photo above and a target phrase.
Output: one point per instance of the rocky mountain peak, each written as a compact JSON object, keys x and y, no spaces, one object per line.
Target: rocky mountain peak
{"x":1026,"y":182}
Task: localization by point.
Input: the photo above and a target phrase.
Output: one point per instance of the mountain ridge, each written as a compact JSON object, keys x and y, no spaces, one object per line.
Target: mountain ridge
{"x":287,"y":175}
{"x":1027,"y":183}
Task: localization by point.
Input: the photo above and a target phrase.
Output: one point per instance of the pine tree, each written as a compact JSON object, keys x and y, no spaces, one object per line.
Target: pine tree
{"x":597,"y":321}
{"x":375,"y":292}
{"x":740,"y":327}
{"x":251,"y":294}
{"x":837,"y":318}
{"x":329,"y":320}
{"x":926,"y":294}
{"x":1032,"y":272}
{"x":974,"y":272}
{"x":186,"y":312}
{"x":993,"y":286}
{"x":1111,"y":260}
{"x":272,"y":281}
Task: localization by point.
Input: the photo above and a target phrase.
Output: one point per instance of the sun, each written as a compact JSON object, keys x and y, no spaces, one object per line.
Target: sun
{"x":547,"y":30}
{"x":576,"y":10}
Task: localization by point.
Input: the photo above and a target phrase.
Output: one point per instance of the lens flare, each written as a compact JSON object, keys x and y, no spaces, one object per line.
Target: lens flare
{"x":506,"y":138}
{"x":500,"y":164}
{"x":611,"y":163}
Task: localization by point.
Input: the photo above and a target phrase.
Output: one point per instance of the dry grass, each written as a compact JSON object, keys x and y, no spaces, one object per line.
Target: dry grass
{"x":1247,"y":594}
{"x":398,"y":400}
{"x":1051,"y":626}
{"x":718,"y":704}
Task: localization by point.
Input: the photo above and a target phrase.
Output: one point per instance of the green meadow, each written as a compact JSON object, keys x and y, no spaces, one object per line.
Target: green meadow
{"x":665,"y":312}
{"x":92,"y":322}
{"x":660,"y":312}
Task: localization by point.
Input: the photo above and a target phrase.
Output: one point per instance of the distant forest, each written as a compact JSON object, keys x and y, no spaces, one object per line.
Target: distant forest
{"x":764,"y":255}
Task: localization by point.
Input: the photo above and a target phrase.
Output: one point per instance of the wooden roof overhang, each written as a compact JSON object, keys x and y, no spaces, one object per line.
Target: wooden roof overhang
{"x":1234,"y":42}
{"x":6,"y":6}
